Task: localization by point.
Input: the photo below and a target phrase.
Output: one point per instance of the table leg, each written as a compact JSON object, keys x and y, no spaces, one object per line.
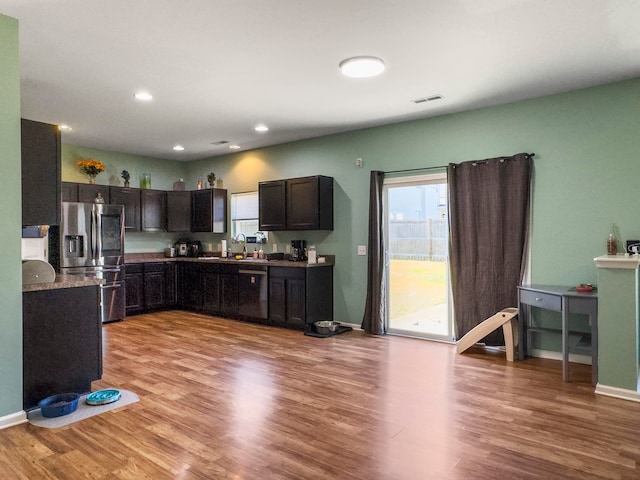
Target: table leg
{"x":565,"y":343}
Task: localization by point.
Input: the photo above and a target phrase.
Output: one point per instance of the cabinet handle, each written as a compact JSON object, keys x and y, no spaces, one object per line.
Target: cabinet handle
{"x":538,"y":299}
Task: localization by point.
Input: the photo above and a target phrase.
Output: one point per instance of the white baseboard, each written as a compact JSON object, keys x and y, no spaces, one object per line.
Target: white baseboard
{"x":13,"y":419}
{"x":616,"y":392}
{"x":573,"y":357}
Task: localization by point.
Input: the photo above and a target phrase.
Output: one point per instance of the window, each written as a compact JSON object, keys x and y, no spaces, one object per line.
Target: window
{"x":244,"y":213}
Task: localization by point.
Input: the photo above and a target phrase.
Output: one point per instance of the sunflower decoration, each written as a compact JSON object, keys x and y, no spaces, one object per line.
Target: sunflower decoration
{"x":91,"y":168}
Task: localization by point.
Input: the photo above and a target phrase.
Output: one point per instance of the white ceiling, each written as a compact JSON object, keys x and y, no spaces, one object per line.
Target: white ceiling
{"x":218,"y":67}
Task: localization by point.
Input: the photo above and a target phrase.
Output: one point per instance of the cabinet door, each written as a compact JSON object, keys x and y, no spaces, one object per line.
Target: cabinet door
{"x":69,"y":192}
{"x":154,"y":286}
{"x":40,"y":173}
{"x":178,"y":211}
{"x":153,"y":206}
{"x":296,"y":292}
{"x":130,"y":198}
{"x":277,"y":300}
{"x":229,"y":297}
{"x":209,"y":210}
{"x":134,"y":288}
{"x":302,"y":203}
{"x":171,"y":284}
{"x":272,"y":205}
{"x":87,"y":192}
{"x":210,"y":290}
{"x":191,"y":286}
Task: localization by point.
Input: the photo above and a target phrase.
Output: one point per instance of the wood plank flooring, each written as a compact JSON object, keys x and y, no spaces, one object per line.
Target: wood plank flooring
{"x":221,"y":399}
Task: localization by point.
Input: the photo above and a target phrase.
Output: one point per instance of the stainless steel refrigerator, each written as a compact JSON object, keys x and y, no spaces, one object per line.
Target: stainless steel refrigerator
{"x":91,"y":241}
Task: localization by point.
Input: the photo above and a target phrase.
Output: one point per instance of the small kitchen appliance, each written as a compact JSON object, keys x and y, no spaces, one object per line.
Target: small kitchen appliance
{"x":195,"y":248}
{"x":182,"y":247}
{"x":298,"y":250}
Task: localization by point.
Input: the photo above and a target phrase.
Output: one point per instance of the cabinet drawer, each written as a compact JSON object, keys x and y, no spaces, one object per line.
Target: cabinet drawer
{"x":547,"y":301}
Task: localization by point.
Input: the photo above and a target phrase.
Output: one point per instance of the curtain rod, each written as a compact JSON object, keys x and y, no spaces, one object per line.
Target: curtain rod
{"x":531,"y":155}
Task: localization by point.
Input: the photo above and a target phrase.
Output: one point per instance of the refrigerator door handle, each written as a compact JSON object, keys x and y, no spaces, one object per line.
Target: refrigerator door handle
{"x":96,"y":234}
{"x":110,"y":285}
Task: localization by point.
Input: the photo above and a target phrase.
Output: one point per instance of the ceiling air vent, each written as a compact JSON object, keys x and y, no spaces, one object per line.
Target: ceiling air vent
{"x":220,"y":142}
{"x":432,"y":98}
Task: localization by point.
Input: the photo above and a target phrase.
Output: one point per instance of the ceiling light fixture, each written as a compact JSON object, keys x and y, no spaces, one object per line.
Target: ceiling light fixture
{"x":362,"y":67}
{"x":143,"y":96}
{"x":178,"y":148}
{"x":234,"y":147}
{"x":64,"y":128}
{"x":261,"y":128}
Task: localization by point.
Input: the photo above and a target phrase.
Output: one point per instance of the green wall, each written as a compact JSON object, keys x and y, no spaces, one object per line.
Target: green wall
{"x":584,"y":179}
{"x":11,"y":219}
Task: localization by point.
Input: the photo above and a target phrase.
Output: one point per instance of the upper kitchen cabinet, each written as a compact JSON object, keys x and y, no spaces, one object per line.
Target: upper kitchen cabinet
{"x":130,"y":198}
{"x":209,"y":210}
{"x":153,"y":205}
{"x":272,"y":204}
{"x":178,"y":211}
{"x":84,"y":192}
{"x":41,"y":175}
{"x":304,"y":203}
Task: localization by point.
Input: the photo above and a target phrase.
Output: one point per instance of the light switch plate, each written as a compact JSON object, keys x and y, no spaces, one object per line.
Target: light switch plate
{"x":362,"y":249}
{"x":287,"y":248}
{"x":274,"y":248}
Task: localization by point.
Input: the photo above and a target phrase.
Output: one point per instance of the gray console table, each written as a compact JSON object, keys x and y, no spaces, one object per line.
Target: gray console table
{"x":565,"y":300}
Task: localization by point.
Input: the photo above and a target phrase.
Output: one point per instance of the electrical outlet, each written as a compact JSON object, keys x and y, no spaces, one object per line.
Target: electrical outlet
{"x":287,"y":248}
{"x":359,"y":162}
{"x":362,"y":249}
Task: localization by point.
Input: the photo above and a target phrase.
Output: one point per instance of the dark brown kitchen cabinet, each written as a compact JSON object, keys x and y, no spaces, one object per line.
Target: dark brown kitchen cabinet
{"x":69,"y":192}
{"x":229,"y":300}
{"x":210,"y":283}
{"x":130,"y":198}
{"x":304,"y":203}
{"x":190,"y":287}
{"x":88,"y":193}
{"x":150,"y":286}
{"x":209,"y":210}
{"x":210,"y":288}
{"x":272,"y":204}
{"x":178,"y":211}
{"x":153,"y":208}
{"x":62,"y":342}
{"x":41,"y":173}
{"x":300,"y":296}
{"x":134,"y":288}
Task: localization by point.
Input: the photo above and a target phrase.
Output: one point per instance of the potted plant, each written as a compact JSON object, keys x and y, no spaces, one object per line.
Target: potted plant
{"x":125,"y":175}
{"x":91,"y":168}
{"x":211,"y":178}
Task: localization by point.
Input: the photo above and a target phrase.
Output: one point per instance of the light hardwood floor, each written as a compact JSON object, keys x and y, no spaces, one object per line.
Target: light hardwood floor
{"x":221,"y":399}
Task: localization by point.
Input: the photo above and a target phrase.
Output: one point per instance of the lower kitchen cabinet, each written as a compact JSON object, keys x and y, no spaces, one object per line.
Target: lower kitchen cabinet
{"x":62,"y":342}
{"x":210,"y":288}
{"x":150,"y":286}
{"x":300,"y":296}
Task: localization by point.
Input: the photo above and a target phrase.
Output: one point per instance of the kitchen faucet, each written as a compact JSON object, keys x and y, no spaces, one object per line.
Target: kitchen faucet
{"x":244,"y":241}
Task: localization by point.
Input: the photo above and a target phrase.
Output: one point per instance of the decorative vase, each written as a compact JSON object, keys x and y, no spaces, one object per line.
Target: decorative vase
{"x":92,"y":179}
{"x":126,"y":183}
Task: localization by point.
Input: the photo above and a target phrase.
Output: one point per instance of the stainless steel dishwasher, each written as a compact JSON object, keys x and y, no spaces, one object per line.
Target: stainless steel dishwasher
{"x":253,"y":282}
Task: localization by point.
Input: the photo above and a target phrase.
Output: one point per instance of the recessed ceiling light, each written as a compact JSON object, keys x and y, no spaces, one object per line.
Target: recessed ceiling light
{"x":65,"y":128}
{"x":178,"y":148}
{"x":261,"y":127}
{"x":362,"y":67}
{"x":234,"y":147}
{"x":143,"y":96}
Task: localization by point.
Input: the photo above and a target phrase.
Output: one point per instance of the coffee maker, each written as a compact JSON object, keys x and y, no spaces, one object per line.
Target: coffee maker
{"x":298,"y":250}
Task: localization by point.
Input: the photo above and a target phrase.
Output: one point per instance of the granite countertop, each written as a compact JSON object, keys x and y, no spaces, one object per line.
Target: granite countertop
{"x":150,"y":257}
{"x":63,"y":281}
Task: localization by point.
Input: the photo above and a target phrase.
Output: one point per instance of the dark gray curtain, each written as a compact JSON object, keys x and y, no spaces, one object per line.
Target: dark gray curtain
{"x":489,"y":218}
{"x":374,"y":319}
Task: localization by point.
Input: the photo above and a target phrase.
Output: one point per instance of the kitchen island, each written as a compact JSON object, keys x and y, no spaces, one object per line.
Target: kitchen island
{"x":62,"y":337}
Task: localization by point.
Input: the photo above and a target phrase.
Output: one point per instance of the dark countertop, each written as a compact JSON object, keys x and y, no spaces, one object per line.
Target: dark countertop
{"x":159,"y":257}
{"x":63,"y":281}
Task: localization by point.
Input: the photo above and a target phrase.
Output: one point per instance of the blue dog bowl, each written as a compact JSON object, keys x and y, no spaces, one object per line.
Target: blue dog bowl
{"x":59,"y":405}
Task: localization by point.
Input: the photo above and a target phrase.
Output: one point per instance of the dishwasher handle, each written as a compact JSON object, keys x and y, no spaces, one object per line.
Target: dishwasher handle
{"x":252,"y":272}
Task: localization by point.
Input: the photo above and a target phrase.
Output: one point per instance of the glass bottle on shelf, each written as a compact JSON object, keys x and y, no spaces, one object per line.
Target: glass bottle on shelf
{"x":612,"y":242}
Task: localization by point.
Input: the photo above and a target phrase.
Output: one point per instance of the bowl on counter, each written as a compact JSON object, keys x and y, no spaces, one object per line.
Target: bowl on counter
{"x":326,"y":327}
{"x":59,"y":405}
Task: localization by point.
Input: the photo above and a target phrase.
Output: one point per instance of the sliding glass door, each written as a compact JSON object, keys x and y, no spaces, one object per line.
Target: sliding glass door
{"x":417,"y":239}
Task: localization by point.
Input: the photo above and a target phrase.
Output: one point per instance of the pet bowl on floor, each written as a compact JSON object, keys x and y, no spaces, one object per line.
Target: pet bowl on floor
{"x":59,"y":405}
